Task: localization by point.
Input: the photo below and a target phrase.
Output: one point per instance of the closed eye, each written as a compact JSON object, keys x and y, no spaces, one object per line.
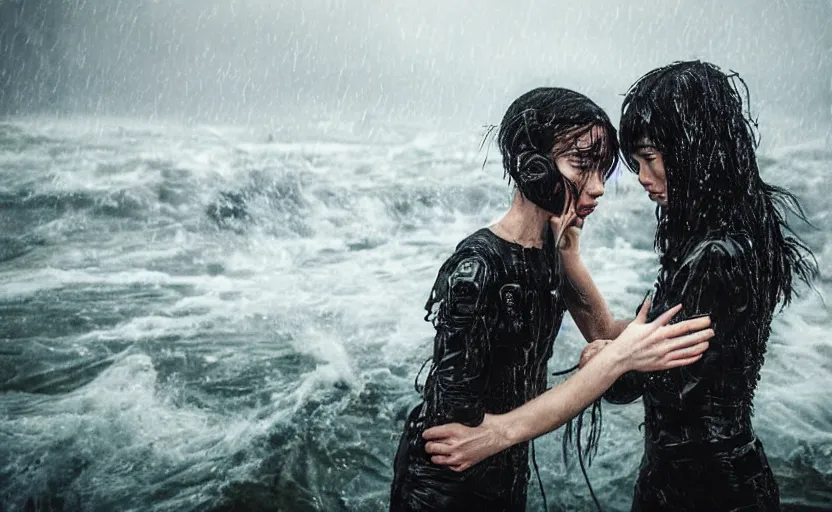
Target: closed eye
{"x":584,"y":162}
{"x":581,"y":163}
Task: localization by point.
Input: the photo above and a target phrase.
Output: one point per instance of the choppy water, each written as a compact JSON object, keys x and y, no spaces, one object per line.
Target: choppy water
{"x":198,"y":319}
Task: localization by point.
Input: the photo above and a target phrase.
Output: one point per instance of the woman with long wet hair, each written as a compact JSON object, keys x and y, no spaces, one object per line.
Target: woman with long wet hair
{"x":727,"y":251}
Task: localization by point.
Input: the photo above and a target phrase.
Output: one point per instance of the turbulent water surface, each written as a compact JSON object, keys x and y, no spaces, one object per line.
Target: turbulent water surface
{"x":202,"y":318}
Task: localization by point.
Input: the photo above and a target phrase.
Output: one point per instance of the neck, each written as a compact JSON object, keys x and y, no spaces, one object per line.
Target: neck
{"x":525,"y":223}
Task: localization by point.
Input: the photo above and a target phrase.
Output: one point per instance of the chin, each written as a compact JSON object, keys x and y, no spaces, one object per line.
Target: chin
{"x":660,"y":200}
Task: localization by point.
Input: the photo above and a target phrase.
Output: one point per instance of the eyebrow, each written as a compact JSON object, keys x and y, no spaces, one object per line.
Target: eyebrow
{"x":581,"y":152}
{"x":590,"y":157}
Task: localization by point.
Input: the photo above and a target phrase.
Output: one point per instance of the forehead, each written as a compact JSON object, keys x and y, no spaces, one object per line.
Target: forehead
{"x":589,"y":138}
{"x":583,"y":139}
{"x":644,"y":143}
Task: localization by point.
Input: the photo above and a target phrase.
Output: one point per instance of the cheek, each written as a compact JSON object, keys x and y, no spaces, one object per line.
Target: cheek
{"x":660,"y":175}
{"x":659,"y":171}
{"x":566,"y":170}
{"x":655,"y":171}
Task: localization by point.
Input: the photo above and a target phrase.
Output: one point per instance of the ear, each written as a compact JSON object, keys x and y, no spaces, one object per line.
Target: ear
{"x":542,"y":136}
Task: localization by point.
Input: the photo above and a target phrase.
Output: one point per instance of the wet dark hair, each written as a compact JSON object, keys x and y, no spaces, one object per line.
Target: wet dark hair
{"x":539,"y":126}
{"x":693,"y":114}
{"x":547,"y":122}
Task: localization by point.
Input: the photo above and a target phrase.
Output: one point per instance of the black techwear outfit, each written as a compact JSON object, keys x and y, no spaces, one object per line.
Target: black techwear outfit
{"x":700,"y":451}
{"x":497,"y":311}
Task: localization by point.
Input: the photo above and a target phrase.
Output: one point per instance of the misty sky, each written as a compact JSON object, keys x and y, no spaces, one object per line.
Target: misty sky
{"x":453,"y":59}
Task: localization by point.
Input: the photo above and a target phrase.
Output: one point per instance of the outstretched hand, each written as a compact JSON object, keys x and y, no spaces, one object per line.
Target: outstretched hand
{"x":655,"y":346}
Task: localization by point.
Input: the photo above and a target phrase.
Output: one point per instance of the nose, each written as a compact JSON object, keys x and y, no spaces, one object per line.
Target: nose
{"x":644,"y":176}
{"x":595,"y":186}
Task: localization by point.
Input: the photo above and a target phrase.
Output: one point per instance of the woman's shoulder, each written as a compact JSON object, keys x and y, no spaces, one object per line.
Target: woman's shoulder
{"x":720,"y":270}
{"x":719,"y":252}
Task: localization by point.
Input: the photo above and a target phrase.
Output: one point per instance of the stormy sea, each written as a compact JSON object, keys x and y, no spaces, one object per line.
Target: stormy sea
{"x":198,"y":317}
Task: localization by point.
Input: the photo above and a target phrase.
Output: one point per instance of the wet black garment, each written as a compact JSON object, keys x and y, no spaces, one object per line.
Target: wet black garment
{"x":700,"y":449}
{"x":497,"y":310}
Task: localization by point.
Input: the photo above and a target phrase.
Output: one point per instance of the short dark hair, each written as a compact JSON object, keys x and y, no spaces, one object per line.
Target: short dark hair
{"x":542,"y":117}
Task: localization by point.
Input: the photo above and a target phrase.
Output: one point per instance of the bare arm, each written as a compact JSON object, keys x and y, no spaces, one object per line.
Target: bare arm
{"x":555,"y":407}
{"x":584,"y":301}
{"x":642,"y":346}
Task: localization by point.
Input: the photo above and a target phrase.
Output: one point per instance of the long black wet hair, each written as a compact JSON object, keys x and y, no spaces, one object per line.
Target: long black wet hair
{"x":544,"y":123}
{"x":693,"y":113}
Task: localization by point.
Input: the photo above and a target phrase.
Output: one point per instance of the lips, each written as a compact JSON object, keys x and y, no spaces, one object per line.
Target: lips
{"x":585,"y":211}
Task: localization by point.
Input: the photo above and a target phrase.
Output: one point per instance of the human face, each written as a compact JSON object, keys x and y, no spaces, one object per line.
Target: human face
{"x":579,"y":162}
{"x":651,"y":173}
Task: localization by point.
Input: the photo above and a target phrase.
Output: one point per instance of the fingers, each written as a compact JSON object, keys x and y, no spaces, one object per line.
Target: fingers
{"x":442,"y":460}
{"x":453,"y":465}
{"x":439,"y":432}
{"x":693,"y":347}
{"x":694,"y":338}
{"x":691,"y":339}
{"x":452,"y":462}
{"x":556,"y":221}
{"x":668,"y":315}
{"x":687,"y":327}
{"x":676,"y":363}
{"x":438,"y":448}
{"x":642,"y":313}
{"x":561,"y":222}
